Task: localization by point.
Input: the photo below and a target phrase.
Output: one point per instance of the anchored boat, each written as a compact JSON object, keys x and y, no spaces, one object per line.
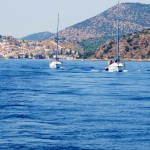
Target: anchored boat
{"x":56,"y":63}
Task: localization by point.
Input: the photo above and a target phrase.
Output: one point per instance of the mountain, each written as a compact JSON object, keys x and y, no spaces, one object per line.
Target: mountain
{"x":133,"y":46}
{"x":133,"y":17}
{"x":91,"y":33}
{"x":39,"y":36}
{"x":95,"y":31}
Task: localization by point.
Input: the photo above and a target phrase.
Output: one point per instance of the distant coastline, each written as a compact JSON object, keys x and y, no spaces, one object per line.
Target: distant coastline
{"x":79,"y":59}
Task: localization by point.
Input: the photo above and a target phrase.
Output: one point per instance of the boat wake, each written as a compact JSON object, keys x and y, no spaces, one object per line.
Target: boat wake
{"x":113,"y":71}
{"x":125,"y":70}
{"x":62,"y":68}
{"x":94,"y":70}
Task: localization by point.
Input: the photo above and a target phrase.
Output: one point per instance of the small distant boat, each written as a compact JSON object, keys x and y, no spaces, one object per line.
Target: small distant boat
{"x":56,"y":63}
{"x":116,"y":65}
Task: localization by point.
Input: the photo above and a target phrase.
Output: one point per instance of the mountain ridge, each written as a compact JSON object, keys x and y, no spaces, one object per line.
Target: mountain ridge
{"x":40,"y":36}
{"x":131,"y":20}
{"x":106,"y":22}
{"x":133,"y":46}
{"x":91,"y":33}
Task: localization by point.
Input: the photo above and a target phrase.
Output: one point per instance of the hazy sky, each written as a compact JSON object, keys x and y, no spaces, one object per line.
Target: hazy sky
{"x":23,"y":17}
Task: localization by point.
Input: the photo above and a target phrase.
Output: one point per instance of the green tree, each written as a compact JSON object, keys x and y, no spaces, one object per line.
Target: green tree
{"x":127,"y":48}
{"x":80,"y":54}
{"x":87,"y":54}
{"x":26,"y":56}
{"x":148,"y":54}
{"x":143,"y":56}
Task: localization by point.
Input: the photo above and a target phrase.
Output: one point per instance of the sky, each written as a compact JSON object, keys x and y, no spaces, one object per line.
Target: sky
{"x":20,"y":18}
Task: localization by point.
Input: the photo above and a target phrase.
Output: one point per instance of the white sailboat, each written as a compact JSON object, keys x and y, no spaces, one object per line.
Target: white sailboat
{"x":56,"y":63}
{"x":116,"y":65}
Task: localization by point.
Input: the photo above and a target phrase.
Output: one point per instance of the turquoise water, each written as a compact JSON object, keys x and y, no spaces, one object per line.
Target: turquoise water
{"x":76,"y":107}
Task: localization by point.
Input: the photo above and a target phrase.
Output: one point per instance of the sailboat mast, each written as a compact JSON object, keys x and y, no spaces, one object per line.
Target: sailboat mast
{"x":57,"y":39}
{"x":118,"y":37}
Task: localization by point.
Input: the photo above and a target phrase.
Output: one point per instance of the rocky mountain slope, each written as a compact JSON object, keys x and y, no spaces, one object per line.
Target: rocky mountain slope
{"x":133,"y":46}
{"x":133,"y":17}
{"x":91,"y":33}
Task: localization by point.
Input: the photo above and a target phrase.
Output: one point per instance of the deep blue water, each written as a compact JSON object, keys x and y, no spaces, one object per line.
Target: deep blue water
{"x":76,"y":107}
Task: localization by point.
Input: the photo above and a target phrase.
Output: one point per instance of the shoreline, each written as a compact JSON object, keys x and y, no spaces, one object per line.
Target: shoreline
{"x":135,"y":60}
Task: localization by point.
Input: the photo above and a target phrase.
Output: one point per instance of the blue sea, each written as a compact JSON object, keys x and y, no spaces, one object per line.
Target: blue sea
{"x":76,"y":107}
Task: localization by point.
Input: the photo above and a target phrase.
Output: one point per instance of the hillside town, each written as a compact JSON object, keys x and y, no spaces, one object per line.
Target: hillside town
{"x":11,"y":48}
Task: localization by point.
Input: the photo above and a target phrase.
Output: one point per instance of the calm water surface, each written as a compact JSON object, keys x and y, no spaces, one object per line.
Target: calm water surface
{"x":76,"y":107}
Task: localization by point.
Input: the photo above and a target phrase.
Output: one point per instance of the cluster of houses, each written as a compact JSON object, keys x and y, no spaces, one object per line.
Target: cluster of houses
{"x":11,"y":48}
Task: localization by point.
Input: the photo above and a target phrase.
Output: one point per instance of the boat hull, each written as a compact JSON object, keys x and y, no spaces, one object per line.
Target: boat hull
{"x":55,"y":64}
{"x":115,"y":67}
